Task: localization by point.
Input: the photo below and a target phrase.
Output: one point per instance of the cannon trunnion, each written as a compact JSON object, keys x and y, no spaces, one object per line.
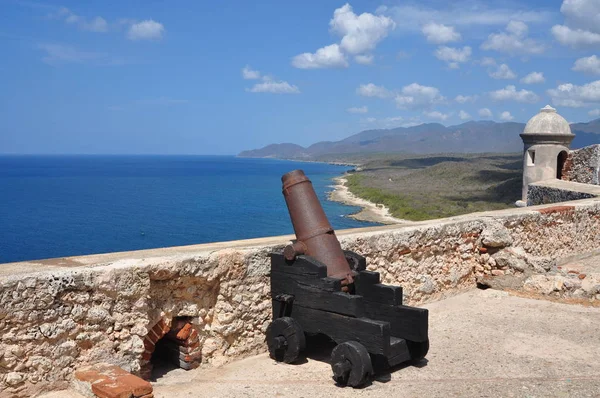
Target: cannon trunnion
{"x":372,"y":328}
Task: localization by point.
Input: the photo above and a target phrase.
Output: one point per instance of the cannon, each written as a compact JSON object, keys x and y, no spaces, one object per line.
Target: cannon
{"x":318,"y":288}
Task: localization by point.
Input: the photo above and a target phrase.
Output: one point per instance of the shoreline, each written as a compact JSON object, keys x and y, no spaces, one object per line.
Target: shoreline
{"x":369,"y":211}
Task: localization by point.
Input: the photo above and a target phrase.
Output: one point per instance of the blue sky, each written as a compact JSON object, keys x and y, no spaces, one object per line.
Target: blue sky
{"x":198,"y":77}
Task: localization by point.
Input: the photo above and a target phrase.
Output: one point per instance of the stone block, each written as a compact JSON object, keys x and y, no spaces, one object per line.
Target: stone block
{"x":495,"y":234}
{"x":110,"y":381}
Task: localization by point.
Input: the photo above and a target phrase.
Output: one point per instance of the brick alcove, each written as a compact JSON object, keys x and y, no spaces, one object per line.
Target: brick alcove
{"x":174,"y":341}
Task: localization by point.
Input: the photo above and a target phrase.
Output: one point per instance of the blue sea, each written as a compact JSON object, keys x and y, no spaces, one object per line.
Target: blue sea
{"x":55,"y":206}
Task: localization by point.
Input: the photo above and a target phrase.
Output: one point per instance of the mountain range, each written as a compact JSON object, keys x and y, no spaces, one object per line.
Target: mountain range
{"x":469,"y":137}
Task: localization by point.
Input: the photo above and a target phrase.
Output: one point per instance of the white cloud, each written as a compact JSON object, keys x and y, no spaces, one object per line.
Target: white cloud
{"x":412,"y":17}
{"x":58,"y":54}
{"x":440,"y":34}
{"x":326,"y":57}
{"x":146,"y":30}
{"x":502,"y":72}
{"x":415,"y":96}
{"x":594,"y":112}
{"x":250,"y":74}
{"x":275,"y":87}
{"x":453,"y":56}
{"x":574,"y":96}
{"x":488,"y":61}
{"x":362,"y":109}
{"x":514,"y":41}
{"x":437,"y":115}
{"x":506,"y":116}
{"x":510,"y":93}
{"x":575,"y":37}
{"x":588,"y":65}
{"x":461,"y":99}
{"x":96,"y":24}
{"x":364,"y":59}
{"x":517,"y":28}
{"x":464,"y":115}
{"x":485,"y":112}
{"x":372,"y":90}
{"x":533,"y":78}
{"x":360,"y":33}
{"x":582,"y":23}
{"x":387,"y":122}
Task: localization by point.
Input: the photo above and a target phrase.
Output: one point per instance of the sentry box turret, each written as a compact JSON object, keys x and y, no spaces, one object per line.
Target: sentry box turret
{"x":317,"y":288}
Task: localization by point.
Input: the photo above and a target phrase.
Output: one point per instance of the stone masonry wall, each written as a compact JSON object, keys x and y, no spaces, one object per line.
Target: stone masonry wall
{"x":583,"y":165}
{"x":539,"y":194}
{"x":101,"y":308}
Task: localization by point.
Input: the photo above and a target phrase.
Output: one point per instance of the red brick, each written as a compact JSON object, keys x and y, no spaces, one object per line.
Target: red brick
{"x":149,"y":344}
{"x":581,"y":276}
{"x":111,"y":389}
{"x":136,"y":385}
{"x":557,"y":209}
{"x":160,"y":329}
{"x":90,"y":376}
{"x":194,"y":334}
{"x":184,"y":332}
{"x":146,"y":371}
{"x":192,"y":357}
{"x":404,"y":251}
{"x":146,"y":355}
{"x":483,"y":250}
{"x":153,"y":336}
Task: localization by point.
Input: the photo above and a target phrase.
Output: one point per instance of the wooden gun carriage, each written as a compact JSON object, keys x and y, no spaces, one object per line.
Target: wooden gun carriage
{"x":367,"y":320}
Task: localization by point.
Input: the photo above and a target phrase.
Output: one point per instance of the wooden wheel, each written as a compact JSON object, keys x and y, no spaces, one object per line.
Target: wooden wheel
{"x":285,"y":339}
{"x":351,"y":364}
{"x":418,"y":350}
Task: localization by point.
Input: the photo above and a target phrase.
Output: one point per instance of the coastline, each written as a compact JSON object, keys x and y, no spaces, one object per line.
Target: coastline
{"x":370,"y":211}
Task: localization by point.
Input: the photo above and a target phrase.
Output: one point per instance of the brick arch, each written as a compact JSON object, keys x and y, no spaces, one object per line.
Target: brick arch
{"x":181,"y":344}
{"x":157,"y":332}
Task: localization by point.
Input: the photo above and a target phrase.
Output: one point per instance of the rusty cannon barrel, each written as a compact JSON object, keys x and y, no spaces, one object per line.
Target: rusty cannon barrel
{"x":315,"y":236}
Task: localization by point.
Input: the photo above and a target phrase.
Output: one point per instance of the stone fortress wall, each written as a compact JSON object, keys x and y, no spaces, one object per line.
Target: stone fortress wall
{"x":580,"y":179}
{"x":211,"y":303}
{"x":59,"y":315}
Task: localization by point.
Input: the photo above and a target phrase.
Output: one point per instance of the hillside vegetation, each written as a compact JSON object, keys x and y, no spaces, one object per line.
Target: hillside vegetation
{"x":433,"y":186}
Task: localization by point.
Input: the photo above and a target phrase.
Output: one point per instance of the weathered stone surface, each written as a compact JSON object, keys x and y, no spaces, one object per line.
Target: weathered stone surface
{"x":75,"y":316}
{"x":512,"y":258}
{"x":538,"y":194}
{"x":495,"y":234}
{"x":583,"y":165}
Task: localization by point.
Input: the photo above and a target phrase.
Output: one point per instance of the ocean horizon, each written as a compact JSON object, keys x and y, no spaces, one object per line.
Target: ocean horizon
{"x":68,"y":205}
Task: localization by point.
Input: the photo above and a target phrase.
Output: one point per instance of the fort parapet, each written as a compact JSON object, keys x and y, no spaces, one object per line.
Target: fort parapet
{"x":58,"y":315}
{"x":208,"y":304}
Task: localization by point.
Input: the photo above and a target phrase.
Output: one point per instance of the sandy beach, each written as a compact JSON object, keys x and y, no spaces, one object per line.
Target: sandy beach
{"x":370,"y":211}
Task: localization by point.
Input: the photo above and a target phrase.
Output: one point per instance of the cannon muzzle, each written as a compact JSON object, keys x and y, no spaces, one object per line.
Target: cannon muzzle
{"x":315,"y":236}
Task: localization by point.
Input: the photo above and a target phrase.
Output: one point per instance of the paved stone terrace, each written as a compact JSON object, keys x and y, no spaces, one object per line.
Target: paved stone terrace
{"x":484,"y":343}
